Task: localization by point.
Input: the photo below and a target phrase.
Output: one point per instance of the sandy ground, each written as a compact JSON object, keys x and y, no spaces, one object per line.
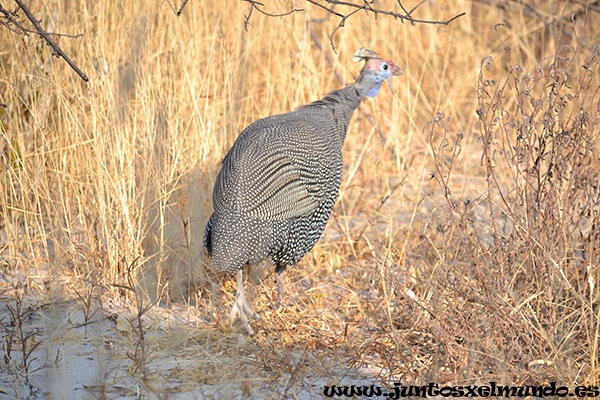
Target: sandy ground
{"x":71,"y":354}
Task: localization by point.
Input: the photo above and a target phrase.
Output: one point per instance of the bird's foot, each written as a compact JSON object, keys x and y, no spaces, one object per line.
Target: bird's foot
{"x":241,"y":307}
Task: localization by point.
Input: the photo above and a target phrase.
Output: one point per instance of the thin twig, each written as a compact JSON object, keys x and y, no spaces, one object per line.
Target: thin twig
{"x":255,"y":5}
{"x":338,"y":74}
{"x":406,"y":12}
{"x":10,"y":17}
{"x":417,"y":6}
{"x":341,"y":25}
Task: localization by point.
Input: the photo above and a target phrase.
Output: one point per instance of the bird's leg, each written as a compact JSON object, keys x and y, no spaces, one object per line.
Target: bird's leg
{"x":213,"y":300}
{"x":240,"y":305}
{"x":279,"y":275}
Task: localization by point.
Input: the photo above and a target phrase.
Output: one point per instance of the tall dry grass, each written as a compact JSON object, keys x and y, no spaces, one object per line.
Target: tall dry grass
{"x":463,"y":247}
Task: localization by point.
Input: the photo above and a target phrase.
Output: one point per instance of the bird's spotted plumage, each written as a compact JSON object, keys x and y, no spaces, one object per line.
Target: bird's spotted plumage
{"x":279,"y":182}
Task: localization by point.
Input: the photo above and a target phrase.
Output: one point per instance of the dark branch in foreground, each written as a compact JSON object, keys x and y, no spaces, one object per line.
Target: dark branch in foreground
{"x":10,"y":20}
{"x":181,"y":8}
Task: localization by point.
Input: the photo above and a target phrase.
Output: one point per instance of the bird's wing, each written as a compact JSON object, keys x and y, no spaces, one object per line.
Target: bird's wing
{"x":266,"y":176}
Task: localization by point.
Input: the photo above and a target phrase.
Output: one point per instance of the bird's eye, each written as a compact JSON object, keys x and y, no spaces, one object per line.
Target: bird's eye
{"x":385,"y":66}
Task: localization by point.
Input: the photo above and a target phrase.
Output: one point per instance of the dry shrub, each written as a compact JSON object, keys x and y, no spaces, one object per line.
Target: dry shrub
{"x":515,"y":294}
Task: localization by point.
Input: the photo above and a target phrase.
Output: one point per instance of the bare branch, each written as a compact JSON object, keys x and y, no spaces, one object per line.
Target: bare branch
{"x":367,"y":7}
{"x":59,"y":52}
{"x":364,"y":5}
{"x":255,"y":5}
{"x":11,"y":22}
{"x":329,"y":10}
{"x":181,"y":8}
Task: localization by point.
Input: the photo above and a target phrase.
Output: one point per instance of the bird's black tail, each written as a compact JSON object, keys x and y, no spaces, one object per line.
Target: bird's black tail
{"x":208,"y":235}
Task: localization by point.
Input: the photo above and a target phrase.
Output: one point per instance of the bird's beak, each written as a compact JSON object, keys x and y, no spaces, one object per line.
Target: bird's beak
{"x":395,"y":71}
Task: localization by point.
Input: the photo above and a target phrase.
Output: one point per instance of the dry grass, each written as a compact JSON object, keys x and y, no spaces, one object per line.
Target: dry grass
{"x":463,"y":247}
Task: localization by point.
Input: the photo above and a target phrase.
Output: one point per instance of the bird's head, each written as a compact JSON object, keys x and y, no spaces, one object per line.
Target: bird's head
{"x":375,"y":71}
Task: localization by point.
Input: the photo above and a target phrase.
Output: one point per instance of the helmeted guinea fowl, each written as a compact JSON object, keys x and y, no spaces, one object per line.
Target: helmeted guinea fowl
{"x":279,"y":182}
